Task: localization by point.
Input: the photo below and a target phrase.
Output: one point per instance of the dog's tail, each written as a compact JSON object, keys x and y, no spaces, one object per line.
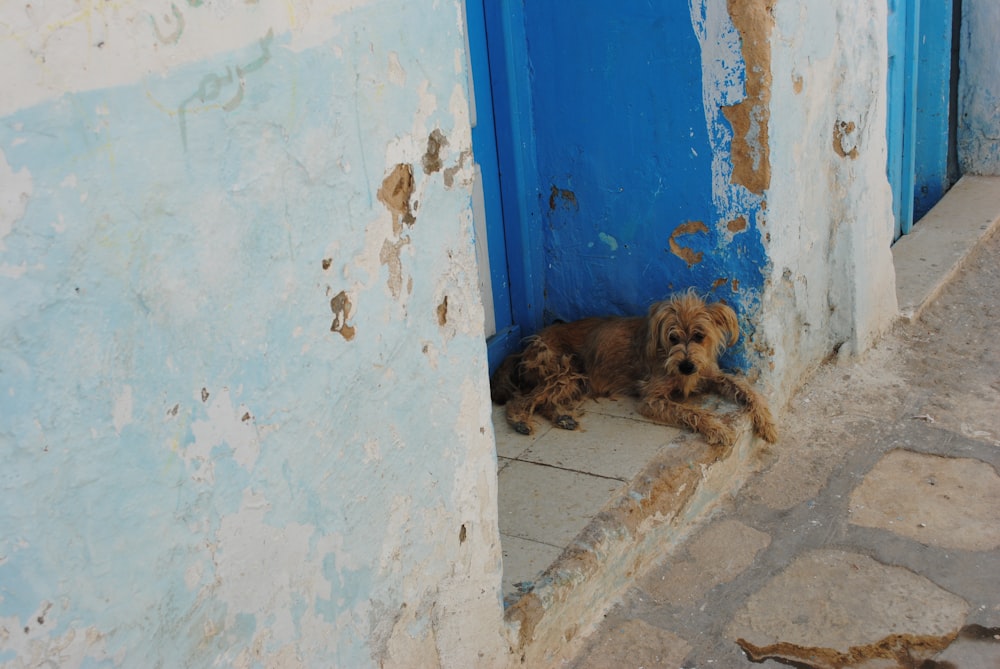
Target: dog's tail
{"x":506,"y":381}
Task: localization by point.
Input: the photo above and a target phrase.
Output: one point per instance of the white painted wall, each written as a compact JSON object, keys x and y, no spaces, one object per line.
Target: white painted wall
{"x":245,"y":415}
{"x":831,"y":283}
{"x":979,"y":88}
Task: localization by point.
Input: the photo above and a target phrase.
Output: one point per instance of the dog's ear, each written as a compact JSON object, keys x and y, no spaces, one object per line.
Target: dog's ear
{"x":658,"y":314}
{"x":724,"y":318}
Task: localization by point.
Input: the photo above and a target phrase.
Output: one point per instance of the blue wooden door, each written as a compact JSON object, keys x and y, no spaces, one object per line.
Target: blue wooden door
{"x":604,"y":163}
{"x":502,"y":148}
{"x":920,"y":107}
{"x":503,"y":144}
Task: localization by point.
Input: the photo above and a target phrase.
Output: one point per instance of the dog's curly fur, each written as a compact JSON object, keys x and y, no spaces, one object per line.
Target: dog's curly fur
{"x":662,"y":359}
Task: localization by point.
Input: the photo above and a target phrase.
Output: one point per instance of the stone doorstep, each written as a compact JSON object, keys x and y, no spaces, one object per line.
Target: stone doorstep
{"x":635,"y":530}
{"x":927,"y":258}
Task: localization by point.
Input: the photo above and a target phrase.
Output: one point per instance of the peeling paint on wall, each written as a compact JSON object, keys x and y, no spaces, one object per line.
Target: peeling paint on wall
{"x":340,"y":305}
{"x":395,"y":193}
{"x":389,"y":256}
{"x":432,"y":157}
{"x":845,"y":140}
{"x":738,"y":224}
{"x":442,"y":312}
{"x":562,"y":197}
{"x":749,"y":117}
{"x":686,"y":254}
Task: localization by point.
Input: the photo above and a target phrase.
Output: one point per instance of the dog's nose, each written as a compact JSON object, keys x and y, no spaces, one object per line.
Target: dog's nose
{"x":686,"y":367}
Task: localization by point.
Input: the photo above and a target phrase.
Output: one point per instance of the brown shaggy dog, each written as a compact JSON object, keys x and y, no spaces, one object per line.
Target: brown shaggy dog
{"x":662,"y":358}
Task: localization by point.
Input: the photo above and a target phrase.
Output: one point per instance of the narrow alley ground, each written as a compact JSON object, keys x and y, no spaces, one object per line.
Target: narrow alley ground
{"x":871,"y":534}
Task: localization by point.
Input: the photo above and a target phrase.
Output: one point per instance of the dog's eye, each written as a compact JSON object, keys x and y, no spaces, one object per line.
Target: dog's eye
{"x":674,"y":340}
{"x":697,"y":337}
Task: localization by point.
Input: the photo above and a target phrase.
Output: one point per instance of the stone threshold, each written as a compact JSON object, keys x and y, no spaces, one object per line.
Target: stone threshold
{"x":643,"y":522}
{"x":928,"y":257}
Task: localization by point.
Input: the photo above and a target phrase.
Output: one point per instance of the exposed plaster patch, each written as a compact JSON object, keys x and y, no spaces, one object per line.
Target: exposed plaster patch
{"x":442,"y":312}
{"x":397,"y":75}
{"x":749,"y":117}
{"x":222,"y":426}
{"x":247,"y":556}
{"x":611,"y":242}
{"x":340,"y":305}
{"x":458,"y":105}
{"x":405,"y":637}
{"x":845,"y":139}
{"x":388,"y":255}
{"x":450,"y":172}
{"x":689,"y":256}
{"x":432,"y":156}
{"x":33,"y":644}
{"x":395,"y":193}
{"x":738,"y":224}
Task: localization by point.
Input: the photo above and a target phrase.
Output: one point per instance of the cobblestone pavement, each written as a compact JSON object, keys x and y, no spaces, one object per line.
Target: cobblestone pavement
{"x":871,"y":535}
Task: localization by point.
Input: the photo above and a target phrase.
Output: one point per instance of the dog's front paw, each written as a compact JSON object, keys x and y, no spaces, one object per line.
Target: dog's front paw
{"x":566,"y":422}
{"x":521,"y":427}
{"x":766,"y":430}
{"x":718,"y":434}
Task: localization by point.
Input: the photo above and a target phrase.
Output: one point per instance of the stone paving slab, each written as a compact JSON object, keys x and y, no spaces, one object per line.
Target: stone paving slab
{"x":831,"y":608}
{"x":941,"y":501}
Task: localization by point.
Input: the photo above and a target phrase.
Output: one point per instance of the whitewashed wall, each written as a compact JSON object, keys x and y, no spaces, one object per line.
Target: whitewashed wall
{"x":831,"y":283}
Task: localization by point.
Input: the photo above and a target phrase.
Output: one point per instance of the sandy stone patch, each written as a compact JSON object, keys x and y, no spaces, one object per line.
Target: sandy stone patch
{"x":938,"y":501}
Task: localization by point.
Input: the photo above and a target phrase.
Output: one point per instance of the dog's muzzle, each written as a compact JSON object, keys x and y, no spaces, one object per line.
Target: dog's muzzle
{"x":686,"y":367}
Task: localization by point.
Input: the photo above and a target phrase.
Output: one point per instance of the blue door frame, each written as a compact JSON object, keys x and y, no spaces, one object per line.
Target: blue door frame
{"x":920,"y":106}
{"x":503,"y":142}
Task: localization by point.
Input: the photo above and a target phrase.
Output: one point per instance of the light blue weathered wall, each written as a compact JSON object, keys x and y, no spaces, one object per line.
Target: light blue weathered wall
{"x":979,"y":88}
{"x":244,"y":409}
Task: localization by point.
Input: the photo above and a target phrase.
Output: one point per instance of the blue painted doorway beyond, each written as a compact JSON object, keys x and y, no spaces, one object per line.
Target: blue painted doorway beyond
{"x":921,"y":106}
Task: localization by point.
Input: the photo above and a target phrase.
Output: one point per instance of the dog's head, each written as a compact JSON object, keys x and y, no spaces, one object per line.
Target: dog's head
{"x":687,"y":336}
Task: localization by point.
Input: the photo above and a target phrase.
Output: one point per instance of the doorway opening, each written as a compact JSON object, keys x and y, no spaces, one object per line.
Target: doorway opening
{"x":921,"y":124}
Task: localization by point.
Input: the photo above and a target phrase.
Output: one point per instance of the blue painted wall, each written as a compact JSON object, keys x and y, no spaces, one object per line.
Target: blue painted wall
{"x":625,"y":163}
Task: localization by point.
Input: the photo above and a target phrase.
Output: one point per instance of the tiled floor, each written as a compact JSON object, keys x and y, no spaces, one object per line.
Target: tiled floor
{"x":553,"y":482}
